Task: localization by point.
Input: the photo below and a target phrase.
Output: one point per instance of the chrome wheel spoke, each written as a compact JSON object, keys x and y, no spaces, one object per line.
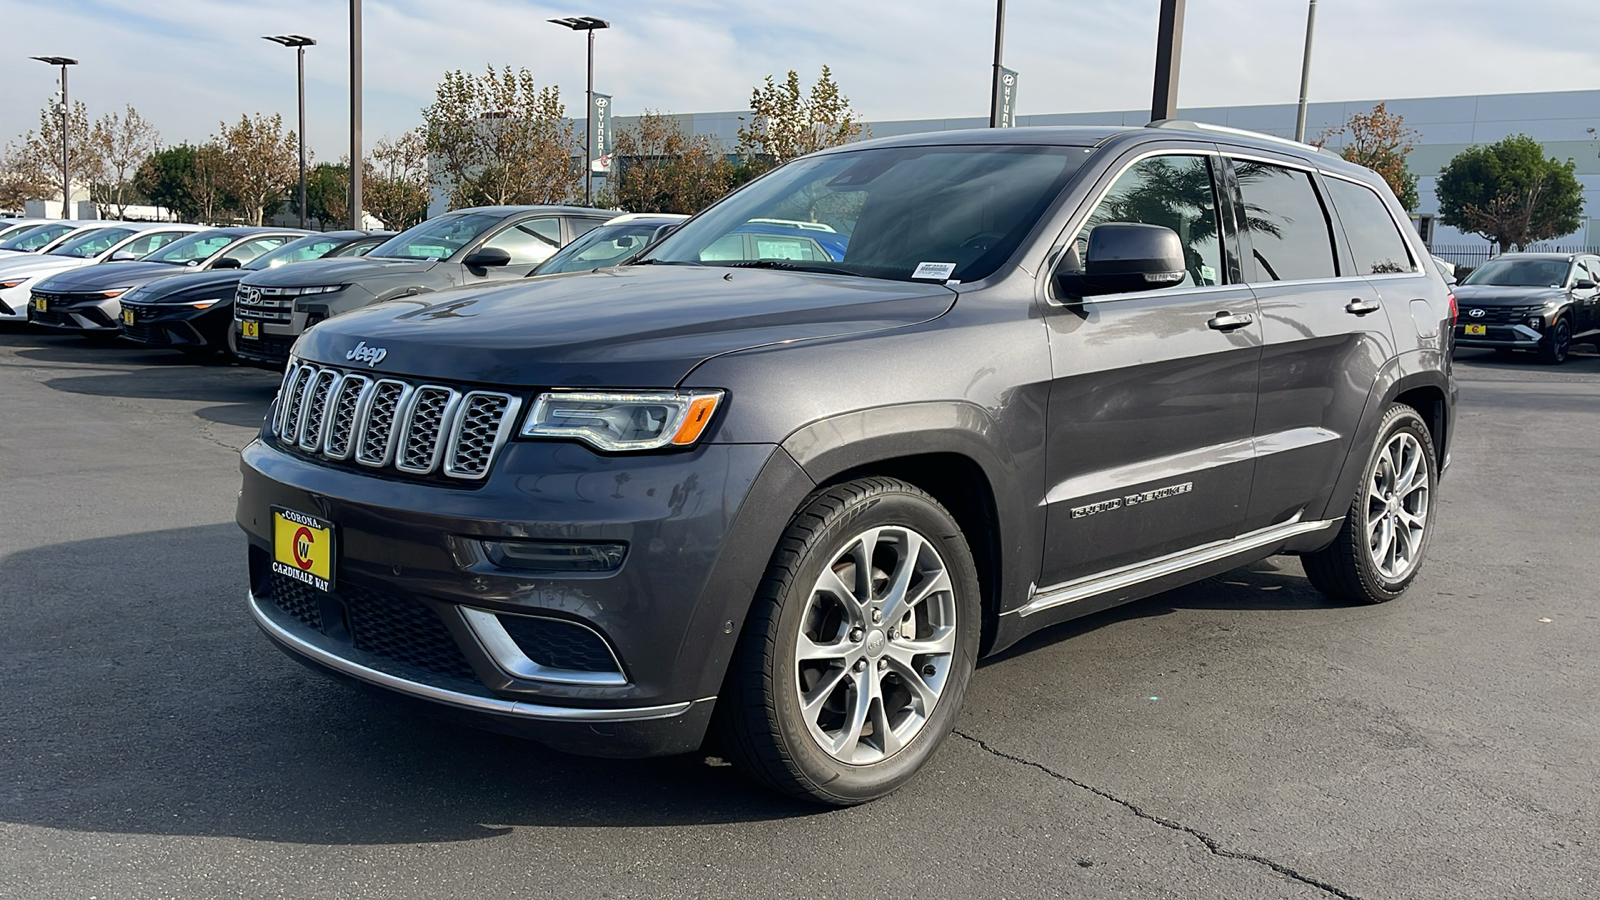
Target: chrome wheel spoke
{"x":894,"y":599}
{"x":941,"y":644}
{"x":807,"y":650}
{"x":832,"y":584}
{"x":850,"y":735}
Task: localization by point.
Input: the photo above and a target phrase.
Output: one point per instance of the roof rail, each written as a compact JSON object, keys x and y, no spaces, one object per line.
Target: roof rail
{"x":1189,"y":125}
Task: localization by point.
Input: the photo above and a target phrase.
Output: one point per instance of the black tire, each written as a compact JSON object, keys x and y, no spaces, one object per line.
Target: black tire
{"x":1345,"y":570}
{"x":759,"y":717}
{"x":1557,"y":344}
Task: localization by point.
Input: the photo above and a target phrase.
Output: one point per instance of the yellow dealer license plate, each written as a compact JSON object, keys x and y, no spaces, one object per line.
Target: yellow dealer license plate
{"x":250,"y":329}
{"x":1477,"y":329}
{"x":40,"y":304}
{"x":127,"y":317}
{"x":302,"y":548}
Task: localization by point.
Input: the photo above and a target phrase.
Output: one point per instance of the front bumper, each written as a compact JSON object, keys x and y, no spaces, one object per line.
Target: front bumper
{"x":1505,"y":337}
{"x":699,"y":526}
{"x":97,"y":316}
{"x":177,"y":325}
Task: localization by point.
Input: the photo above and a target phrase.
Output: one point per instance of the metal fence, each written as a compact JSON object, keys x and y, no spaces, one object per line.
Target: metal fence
{"x":1467,"y":257}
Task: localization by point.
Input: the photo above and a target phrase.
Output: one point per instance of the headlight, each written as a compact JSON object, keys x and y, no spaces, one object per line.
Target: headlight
{"x":114,"y":292}
{"x":320,"y":289}
{"x":7,"y":285}
{"x":636,"y":420}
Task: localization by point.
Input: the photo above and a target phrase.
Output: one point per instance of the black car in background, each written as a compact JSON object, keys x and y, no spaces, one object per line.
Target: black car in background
{"x":1544,"y":302}
{"x":464,"y":247}
{"x":86,"y":301}
{"x":193,"y":312}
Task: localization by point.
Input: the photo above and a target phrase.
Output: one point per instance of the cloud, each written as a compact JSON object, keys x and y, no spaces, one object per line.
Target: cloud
{"x":189,"y":64}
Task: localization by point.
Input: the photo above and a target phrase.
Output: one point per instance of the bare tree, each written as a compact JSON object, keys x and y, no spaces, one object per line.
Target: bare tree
{"x":397,"y":180}
{"x":788,"y":123}
{"x":208,"y":183}
{"x":658,"y":167}
{"x":42,"y":149}
{"x":20,"y":178}
{"x":498,"y":138}
{"x":262,"y":161}
{"x":125,"y":141}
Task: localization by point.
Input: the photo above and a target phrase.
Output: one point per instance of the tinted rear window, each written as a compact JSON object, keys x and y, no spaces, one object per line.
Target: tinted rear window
{"x":1288,"y":226}
{"x":1375,"y":242}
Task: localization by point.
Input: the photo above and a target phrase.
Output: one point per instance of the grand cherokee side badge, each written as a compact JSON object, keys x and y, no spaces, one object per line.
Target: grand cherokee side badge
{"x":369,"y":355}
{"x":1171,"y":490}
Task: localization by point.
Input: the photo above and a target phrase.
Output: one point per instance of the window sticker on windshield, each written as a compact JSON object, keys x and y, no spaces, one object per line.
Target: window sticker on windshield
{"x":936,"y":271}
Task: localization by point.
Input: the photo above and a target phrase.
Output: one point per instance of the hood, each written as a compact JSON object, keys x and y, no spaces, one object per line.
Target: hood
{"x":336,"y":271}
{"x":111,"y":276}
{"x":635,"y":326}
{"x":1496,"y":295}
{"x":219,"y":283}
{"x":34,"y":264}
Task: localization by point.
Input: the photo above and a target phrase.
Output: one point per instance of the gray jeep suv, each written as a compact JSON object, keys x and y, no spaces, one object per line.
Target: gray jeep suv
{"x":789,"y":503}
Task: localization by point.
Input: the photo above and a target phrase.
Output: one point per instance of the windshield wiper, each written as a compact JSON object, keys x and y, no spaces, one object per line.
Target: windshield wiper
{"x":790,"y":265}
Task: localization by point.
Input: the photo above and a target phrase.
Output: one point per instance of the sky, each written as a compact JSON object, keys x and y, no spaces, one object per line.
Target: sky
{"x":186,"y":65}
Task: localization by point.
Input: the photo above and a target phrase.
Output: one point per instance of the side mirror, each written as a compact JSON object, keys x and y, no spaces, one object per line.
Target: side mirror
{"x":227,"y":262}
{"x":485,"y":257}
{"x":664,"y":230}
{"x":123,"y":256}
{"x":1583,"y":284}
{"x":1124,"y":257}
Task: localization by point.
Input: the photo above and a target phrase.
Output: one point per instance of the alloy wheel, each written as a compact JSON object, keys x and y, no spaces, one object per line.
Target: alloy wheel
{"x":1397,"y":506}
{"x":875,"y":645}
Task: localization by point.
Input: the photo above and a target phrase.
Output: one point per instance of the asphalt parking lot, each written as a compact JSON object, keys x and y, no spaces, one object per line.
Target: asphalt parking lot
{"x":1238,"y":738}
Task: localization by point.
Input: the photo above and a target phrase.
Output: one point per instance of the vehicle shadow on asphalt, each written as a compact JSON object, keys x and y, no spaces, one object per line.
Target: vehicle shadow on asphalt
{"x":142,"y":699}
{"x":1275,"y":584}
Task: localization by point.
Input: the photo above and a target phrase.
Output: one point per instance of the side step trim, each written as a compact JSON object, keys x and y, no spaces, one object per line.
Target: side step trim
{"x":1130,"y":575}
{"x":495,"y":705}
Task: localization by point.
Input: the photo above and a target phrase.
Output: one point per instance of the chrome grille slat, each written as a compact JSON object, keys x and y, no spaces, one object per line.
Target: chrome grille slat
{"x":319,"y":389}
{"x":375,"y":444}
{"x":427,"y":422}
{"x":417,"y":429}
{"x":483,"y":423}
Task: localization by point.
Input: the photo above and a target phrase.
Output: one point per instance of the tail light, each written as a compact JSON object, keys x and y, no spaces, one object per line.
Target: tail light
{"x":1454,"y":313}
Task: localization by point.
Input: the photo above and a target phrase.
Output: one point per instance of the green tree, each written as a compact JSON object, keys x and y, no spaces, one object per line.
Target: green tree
{"x":499,"y":138}
{"x":1511,"y":193}
{"x":42,"y":149}
{"x":397,"y":180}
{"x":125,"y":142}
{"x":209,"y":182}
{"x":787,"y":122}
{"x":1381,"y":142}
{"x":658,"y":167}
{"x":327,"y":193}
{"x":164,"y":177}
{"x":20,"y":178}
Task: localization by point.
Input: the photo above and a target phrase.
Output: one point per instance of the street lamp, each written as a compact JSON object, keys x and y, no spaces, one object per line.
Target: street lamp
{"x":66,"y":120}
{"x":299,"y":42}
{"x":591,"y":25}
{"x":1305,"y":74}
{"x":999,"y":42}
{"x":357,"y":160}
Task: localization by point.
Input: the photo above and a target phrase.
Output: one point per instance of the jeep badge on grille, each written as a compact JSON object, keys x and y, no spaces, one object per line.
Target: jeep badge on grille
{"x":369,"y":355}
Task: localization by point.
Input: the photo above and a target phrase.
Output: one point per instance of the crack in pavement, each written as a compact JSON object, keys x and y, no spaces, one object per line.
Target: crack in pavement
{"x":1206,"y":840}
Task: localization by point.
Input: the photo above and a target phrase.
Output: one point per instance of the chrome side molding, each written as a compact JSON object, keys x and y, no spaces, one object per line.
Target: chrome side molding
{"x":1127,"y":576}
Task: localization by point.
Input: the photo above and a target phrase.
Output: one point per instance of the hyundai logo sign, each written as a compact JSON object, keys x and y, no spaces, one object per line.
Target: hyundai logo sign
{"x":1475,"y":313}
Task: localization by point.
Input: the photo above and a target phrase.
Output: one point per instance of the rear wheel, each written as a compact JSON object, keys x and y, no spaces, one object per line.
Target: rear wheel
{"x":1557,"y":344}
{"x":859,"y":647}
{"x":1386,"y":530}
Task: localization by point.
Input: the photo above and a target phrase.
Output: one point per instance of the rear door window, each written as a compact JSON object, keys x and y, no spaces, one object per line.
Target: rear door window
{"x":1291,"y":236}
{"x":528,"y":242}
{"x":251,"y":249}
{"x":1375,"y":241}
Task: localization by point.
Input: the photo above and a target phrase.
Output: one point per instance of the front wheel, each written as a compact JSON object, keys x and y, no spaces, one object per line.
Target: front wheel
{"x":1557,"y":344}
{"x":1379,"y":550}
{"x":859,"y":648}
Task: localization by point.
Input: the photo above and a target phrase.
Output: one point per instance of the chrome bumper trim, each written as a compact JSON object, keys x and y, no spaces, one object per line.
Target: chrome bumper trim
{"x":493,"y":705}
{"x":1161,"y":566}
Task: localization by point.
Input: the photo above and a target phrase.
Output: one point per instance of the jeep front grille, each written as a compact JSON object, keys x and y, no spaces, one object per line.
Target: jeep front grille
{"x":387,"y":422}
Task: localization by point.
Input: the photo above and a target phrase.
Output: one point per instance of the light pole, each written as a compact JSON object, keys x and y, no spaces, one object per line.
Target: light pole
{"x":999,"y":42}
{"x":1305,"y":75}
{"x":356,"y":159}
{"x":1169,"y":49}
{"x":591,"y":25}
{"x":66,"y":122}
{"x":299,"y":42}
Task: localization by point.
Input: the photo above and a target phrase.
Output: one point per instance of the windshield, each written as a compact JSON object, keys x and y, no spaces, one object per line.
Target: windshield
{"x":90,"y":244}
{"x":941,"y":213}
{"x":438,"y":238}
{"x":1520,"y":273}
{"x":34,"y":238}
{"x":315,"y":246}
{"x":608,"y":245}
{"x":193,"y":248}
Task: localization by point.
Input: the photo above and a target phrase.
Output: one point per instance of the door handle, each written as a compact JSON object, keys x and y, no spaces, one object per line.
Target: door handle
{"x":1360,"y":307}
{"x":1226,"y":321}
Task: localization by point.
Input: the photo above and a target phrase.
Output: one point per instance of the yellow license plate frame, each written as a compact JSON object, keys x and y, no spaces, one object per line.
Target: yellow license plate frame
{"x":40,"y":304}
{"x":1477,"y":330}
{"x":127,"y":316}
{"x":250,"y":329}
{"x":303,"y":548}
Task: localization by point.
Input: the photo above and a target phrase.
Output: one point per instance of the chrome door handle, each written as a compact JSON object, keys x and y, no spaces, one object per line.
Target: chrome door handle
{"x":1226,"y":321}
{"x":1360,"y":307}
